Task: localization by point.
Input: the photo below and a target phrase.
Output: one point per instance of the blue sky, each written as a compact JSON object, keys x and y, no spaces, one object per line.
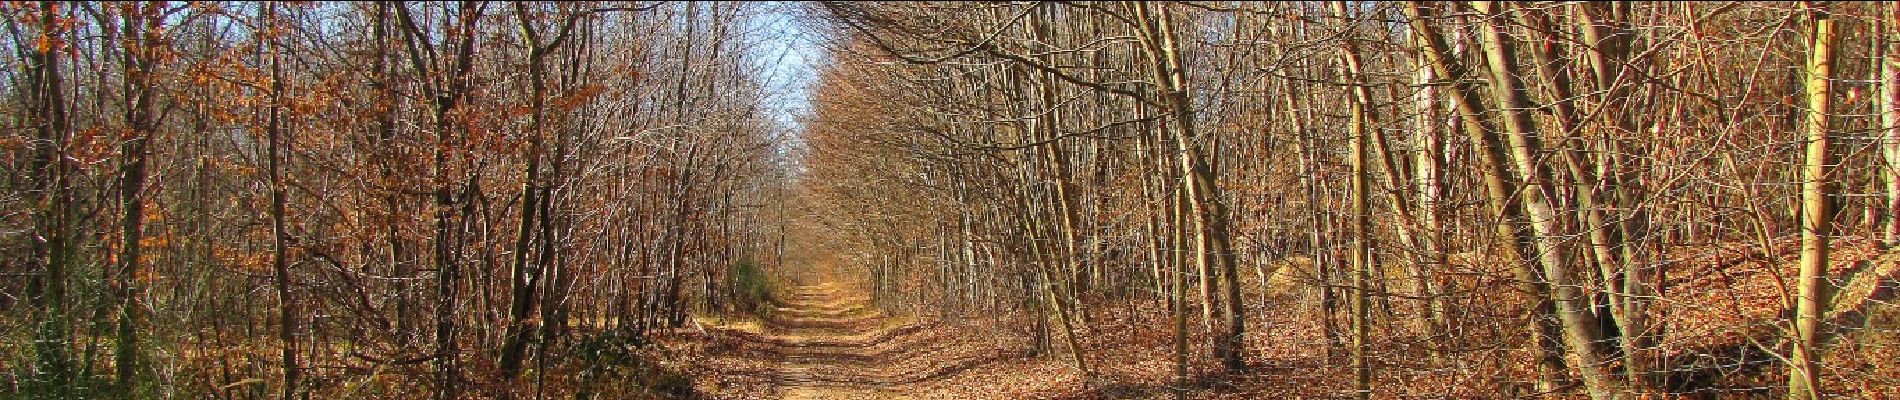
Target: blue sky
{"x":791,"y":55}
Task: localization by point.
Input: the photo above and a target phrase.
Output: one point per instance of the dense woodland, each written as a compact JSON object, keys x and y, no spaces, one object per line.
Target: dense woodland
{"x":487,"y":199}
{"x":247,"y":200}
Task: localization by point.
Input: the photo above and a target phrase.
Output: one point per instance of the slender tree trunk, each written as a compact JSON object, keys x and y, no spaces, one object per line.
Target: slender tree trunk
{"x":1316,"y":243}
{"x":445,"y":85}
{"x":1357,"y":131}
{"x":139,"y":38}
{"x":525,"y":278}
{"x":1804,"y":381}
{"x":1361,"y":252}
{"x":50,"y":196}
{"x":1177,"y":296}
{"x":1209,"y":211}
{"x":280,"y":236}
{"x":1046,"y":260}
{"x":399,"y":258}
{"x":1603,"y":237}
{"x":1428,"y":152}
{"x":1890,"y":119}
{"x":1607,"y":25}
{"x":1055,"y":154}
{"x":1499,"y":187}
{"x":1581,"y":330}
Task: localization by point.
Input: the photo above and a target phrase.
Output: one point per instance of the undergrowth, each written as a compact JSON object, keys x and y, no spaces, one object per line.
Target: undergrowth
{"x":622,"y":365}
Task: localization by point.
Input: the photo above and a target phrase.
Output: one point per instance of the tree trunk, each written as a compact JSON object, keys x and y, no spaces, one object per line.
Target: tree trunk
{"x":1357,"y":131}
{"x":525,"y":278}
{"x":1608,"y":26}
{"x":1209,"y":211}
{"x":50,"y":197}
{"x":1580,"y":327}
{"x":1177,"y":295}
{"x":140,"y":37}
{"x":1804,"y":381}
{"x":1499,"y":187}
{"x":280,"y":236}
{"x":1890,"y":120}
{"x":1428,"y":151}
{"x":445,"y":86}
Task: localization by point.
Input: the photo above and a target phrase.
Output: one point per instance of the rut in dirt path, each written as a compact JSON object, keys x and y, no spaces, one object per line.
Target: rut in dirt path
{"x":823,"y":342}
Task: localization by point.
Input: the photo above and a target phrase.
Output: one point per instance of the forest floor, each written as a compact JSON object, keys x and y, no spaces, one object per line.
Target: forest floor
{"x":823,"y":342}
{"x":828,"y":342}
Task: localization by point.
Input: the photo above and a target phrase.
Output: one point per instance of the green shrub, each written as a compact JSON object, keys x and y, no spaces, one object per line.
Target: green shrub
{"x":619,"y":364}
{"x":751,"y":289}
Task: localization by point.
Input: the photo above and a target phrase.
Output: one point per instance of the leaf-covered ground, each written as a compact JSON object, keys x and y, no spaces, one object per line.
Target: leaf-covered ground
{"x":821,"y":342}
{"x":827,"y":342}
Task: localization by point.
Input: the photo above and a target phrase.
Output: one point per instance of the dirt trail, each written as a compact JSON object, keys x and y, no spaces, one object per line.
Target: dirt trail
{"x":822,"y":342}
{"x":819,"y":326}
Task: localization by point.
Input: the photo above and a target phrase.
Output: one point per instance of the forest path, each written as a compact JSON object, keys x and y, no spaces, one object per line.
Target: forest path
{"x":824,"y":342}
{"x":818,"y":328}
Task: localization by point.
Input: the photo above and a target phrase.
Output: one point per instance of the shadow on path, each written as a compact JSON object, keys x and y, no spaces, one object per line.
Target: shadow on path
{"x":823,"y":343}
